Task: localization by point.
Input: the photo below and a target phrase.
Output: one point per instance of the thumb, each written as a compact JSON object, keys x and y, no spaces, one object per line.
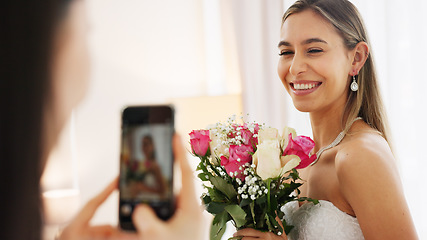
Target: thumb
{"x":187,"y":196}
{"x":146,"y":221}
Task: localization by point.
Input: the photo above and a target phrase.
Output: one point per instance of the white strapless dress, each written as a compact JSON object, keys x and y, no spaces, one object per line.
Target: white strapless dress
{"x":323,"y":221}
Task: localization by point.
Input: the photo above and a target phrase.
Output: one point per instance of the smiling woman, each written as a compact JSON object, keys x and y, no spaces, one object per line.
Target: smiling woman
{"x":400,"y":59}
{"x":324,"y":49}
{"x":306,"y":59}
{"x":303,"y":87}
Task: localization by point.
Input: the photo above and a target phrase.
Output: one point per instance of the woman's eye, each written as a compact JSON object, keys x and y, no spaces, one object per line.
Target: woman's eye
{"x":283,"y":53}
{"x":315,"y":50}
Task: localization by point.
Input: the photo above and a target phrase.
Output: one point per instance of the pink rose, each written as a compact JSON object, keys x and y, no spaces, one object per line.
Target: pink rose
{"x":248,"y":137}
{"x":246,"y":134}
{"x":301,"y":146}
{"x":239,"y":156}
{"x":233,"y":134}
{"x":199,"y":140}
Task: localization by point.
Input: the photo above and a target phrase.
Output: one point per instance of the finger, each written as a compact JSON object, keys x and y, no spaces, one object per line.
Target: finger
{"x":187,"y":198}
{"x":109,"y":232}
{"x":178,"y":149}
{"x":146,"y":221}
{"x":90,"y":208}
{"x":248,"y":232}
{"x":99,"y":232}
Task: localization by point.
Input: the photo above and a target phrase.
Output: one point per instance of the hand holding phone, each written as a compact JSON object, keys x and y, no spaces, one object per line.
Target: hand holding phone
{"x":80,"y":227}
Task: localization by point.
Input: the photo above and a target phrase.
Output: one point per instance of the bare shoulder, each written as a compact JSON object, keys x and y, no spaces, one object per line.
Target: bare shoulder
{"x":363,"y":152}
{"x":365,"y":167}
{"x":369,"y":181}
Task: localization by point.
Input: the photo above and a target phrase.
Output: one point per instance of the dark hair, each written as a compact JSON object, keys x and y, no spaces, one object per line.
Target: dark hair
{"x":26,"y":41}
{"x":153,"y":154}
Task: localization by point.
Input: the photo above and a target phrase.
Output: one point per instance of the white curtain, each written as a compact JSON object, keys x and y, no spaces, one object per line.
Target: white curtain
{"x":398,"y":34}
{"x":256,"y":28}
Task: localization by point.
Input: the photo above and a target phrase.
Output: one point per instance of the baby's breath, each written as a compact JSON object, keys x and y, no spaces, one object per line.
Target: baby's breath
{"x":223,"y":183}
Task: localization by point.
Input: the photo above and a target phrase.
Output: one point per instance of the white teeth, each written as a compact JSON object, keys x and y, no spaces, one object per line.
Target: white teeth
{"x":304,"y":86}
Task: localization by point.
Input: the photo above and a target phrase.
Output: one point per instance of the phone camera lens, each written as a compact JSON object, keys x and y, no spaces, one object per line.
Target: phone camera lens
{"x":126,"y":209}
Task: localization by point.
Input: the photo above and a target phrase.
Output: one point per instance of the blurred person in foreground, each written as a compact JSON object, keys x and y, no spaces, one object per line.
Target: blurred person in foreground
{"x":44,"y":75}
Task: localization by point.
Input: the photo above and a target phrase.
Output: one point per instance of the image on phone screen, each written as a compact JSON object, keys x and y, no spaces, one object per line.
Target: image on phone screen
{"x":146,"y":162}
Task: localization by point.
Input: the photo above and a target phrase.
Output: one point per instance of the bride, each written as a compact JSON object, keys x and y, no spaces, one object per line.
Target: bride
{"x":327,"y":68}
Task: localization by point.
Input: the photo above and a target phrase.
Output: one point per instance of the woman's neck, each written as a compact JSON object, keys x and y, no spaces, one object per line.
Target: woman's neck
{"x":326,"y":125}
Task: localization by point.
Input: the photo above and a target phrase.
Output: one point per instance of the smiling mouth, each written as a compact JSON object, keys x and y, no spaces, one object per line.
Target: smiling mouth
{"x":304,"y":86}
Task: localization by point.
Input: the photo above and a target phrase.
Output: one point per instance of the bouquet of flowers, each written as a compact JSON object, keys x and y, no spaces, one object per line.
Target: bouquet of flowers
{"x":249,"y":172}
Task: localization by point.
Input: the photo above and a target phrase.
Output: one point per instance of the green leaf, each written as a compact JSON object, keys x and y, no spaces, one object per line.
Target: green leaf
{"x":267,"y":221}
{"x":203,"y":176}
{"x":202,"y":166}
{"x":245,"y":202}
{"x":199,"y":166}
{"x":275,"y":224}
{"x":261,"y":200}
{"x":224,"y":187}
{"x":294,"y":185}
{"x":237,"y":213}
{"x":302,"y":199}
{"x":206,"y":199}
{"x":260,"y":212}
{"x":287,"y":228}
{"x":295,"y":175}
{"x":217,"y":232}
{"x":215,"y":208}
{"x":218,"y":226}
{"x":252,"y":206}
{"x":273,"y":205}
{"x":280,"y":214}
{"x":268,"y":194}
{"x":216,"y":195}
{"x":213,"y":167}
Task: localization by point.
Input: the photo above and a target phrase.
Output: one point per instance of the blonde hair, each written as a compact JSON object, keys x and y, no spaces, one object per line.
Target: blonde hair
{"x":366,"y":102}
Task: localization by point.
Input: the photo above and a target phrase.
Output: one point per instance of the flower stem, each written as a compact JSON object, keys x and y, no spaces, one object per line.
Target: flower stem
{"x":268,"y":194}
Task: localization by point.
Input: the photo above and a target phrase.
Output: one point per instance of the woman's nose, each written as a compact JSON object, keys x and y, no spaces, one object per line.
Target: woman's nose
{"x":298,"y":65}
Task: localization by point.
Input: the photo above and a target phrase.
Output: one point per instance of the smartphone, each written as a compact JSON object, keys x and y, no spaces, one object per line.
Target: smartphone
{"x":146,"y":162}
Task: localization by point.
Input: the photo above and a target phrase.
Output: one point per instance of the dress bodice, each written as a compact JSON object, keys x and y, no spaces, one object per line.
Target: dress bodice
{"x":322,"y":221}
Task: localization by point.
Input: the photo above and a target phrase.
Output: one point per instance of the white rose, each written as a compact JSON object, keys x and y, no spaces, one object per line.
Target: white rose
{"x":288,"y":162}
{"x":285,"y":136}
{"x":267,"y":134}
{"x":267,"y":159}
{"x":217,"y":147}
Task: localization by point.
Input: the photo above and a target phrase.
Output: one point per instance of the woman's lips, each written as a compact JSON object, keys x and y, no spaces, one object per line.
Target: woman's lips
{"x":304,"y":87}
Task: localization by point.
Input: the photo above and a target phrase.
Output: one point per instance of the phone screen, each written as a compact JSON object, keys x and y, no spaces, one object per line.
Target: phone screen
{"x":146,"y":162}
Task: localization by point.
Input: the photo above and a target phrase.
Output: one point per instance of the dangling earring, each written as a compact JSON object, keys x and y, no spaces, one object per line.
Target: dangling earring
{"x":354,"y":86}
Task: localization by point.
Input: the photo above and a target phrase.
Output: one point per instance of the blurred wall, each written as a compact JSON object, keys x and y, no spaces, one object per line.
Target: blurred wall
{"x":142,"y":52}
